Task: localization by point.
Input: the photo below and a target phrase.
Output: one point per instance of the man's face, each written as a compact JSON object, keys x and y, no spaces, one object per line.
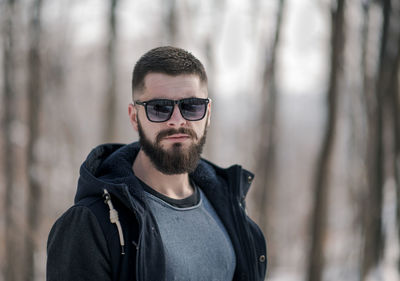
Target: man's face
{"x":174,"y":146}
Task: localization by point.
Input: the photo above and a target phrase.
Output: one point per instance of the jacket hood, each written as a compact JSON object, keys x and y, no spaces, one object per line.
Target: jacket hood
{"x":109,"y":166}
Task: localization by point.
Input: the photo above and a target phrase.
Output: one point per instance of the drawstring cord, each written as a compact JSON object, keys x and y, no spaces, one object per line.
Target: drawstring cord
{"x":114,"y":219}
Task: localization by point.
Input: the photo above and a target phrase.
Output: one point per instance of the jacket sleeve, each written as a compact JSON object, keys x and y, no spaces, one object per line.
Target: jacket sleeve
{"x":77,"y":249}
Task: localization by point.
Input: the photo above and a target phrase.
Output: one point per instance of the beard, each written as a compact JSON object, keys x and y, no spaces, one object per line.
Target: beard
{"x":177,"y":159}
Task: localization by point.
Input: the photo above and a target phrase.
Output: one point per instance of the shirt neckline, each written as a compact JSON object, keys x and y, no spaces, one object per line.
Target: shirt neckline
{"x":187,"y":202}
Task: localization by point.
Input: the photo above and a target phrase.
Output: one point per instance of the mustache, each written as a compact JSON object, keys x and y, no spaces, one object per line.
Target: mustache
{"x":169,"y":132}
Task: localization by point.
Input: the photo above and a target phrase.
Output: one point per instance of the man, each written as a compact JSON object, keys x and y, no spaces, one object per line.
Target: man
{"x":154,"y":210}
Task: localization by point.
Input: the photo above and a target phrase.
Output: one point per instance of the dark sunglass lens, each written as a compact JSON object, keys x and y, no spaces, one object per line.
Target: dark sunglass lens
{"x":193,"y":109}
{"x":159,"y":111}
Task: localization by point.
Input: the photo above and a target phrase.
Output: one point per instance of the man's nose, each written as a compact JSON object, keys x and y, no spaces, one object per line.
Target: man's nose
{"x":176,"y":119}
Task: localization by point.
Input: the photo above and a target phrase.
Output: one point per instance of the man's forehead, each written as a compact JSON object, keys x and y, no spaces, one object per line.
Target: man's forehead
{"x":158,"y":83}
{"x":161,"y":78}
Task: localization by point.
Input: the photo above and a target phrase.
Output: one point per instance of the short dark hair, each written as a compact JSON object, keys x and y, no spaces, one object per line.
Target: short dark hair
{"x":167,"y":60}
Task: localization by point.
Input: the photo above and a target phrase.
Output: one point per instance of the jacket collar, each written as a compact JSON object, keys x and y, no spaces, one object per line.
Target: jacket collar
{"x":109,"y":166}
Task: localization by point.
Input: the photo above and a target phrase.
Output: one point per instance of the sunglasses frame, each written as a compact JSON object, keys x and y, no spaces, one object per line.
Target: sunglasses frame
{"x":174,"y":102}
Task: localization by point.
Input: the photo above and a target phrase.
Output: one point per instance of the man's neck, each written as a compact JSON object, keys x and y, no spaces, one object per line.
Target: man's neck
{"x":174,"y":186}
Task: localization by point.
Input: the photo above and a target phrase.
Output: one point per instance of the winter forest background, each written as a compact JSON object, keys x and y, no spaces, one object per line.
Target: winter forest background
{"x":305,"y":94}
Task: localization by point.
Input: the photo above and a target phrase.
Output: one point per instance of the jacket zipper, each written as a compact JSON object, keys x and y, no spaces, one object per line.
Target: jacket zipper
{"x":140,"y":225}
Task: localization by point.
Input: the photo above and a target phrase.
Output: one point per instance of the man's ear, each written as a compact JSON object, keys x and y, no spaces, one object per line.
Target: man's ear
{"x":132,"y":111}
{"x":209,"y":115}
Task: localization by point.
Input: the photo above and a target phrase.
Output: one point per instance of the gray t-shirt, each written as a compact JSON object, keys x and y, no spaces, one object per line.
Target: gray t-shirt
{"x":197,"y":246}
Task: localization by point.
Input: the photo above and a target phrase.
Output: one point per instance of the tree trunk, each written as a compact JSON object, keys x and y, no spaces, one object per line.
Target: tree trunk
{"x":9,"y":109}
{"x":395,"y":104}
{"x":218,"y":10}
{"x":367,"y":90}
{"x":34,"y":193}
{"x":171,"y":23}
{"x":395,"y":101}
{"x":385,"y":87}
{"x":110,"y":124}
{"x":266,"y":172}
{"x":321,"y":186}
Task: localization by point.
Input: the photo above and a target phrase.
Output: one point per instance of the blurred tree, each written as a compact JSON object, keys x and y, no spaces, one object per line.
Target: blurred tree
{"x":395,"y":102}
{"x":9,"y":110}
{"x":211,"y":41}
{"x":35,"y":93}
{"x":171,"y":23}
{"x":110,"y":124}
{"x":321,"y":185}
{"x":383,"y":121}
{"x":367,"y":89}
{"x":267,"y":147}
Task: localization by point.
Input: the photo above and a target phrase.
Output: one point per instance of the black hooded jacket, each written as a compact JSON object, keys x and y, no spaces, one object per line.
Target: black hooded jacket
{"x":85,"y":245}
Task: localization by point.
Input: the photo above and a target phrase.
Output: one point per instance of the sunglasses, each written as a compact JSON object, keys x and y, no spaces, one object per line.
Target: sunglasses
{"x":160,"y":110}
